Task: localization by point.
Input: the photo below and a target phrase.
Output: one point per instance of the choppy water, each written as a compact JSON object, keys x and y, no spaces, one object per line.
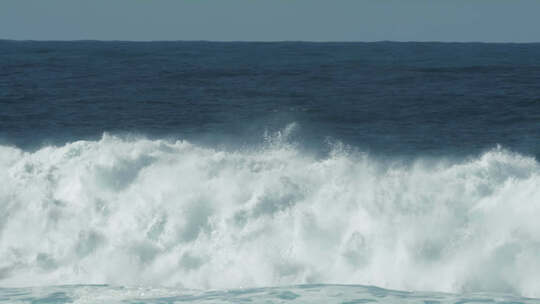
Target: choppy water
{"x":213,"y":172}
{"x":343,"y":294}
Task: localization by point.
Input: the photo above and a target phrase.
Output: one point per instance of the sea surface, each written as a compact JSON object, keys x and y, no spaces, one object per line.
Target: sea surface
{"x":291,"y":172}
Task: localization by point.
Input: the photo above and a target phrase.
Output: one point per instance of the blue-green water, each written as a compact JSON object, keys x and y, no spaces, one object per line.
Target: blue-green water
{"x":342,"y":294}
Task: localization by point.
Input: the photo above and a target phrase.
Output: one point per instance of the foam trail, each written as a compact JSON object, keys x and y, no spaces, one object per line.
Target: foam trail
{"x":156,"y":212}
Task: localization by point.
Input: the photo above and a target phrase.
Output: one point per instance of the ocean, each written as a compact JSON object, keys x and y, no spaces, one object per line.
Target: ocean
{"x":290,"y":172}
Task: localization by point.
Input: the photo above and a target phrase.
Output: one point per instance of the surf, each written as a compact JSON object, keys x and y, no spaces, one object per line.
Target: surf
{"x":158,"y":212}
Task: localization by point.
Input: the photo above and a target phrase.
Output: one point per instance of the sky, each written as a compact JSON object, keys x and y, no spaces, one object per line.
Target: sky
{"x":272,"y":20}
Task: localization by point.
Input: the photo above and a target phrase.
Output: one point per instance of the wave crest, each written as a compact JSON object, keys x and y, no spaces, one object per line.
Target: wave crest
{"x":157,"y":212}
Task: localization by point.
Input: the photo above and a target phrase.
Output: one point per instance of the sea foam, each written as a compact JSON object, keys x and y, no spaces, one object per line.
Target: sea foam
{"x":172,"y":213}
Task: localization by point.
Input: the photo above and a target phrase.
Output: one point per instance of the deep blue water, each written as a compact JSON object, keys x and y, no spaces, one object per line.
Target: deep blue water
{"x":391,"y":98}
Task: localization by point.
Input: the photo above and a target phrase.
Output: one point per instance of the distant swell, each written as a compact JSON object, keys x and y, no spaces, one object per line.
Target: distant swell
{"x":157,"y":212}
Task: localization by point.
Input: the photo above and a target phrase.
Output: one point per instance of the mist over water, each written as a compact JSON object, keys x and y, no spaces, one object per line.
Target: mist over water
{"x":134,"y":211}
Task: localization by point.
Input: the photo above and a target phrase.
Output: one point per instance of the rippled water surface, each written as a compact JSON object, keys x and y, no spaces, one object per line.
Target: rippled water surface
{"x":343,"y":294}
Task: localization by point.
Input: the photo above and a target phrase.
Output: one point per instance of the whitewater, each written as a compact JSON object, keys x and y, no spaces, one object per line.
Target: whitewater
{"x":172,"y":215}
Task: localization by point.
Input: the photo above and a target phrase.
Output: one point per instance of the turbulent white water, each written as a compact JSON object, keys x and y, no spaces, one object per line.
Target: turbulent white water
{"x":162,"y":213}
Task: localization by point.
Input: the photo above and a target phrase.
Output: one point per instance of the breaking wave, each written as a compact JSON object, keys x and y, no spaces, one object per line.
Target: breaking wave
{"x":171,"y":213}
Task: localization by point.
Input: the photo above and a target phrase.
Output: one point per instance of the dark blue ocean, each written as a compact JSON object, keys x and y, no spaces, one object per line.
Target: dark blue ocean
{"x":269,"y":172}
{"x":391,"y":98}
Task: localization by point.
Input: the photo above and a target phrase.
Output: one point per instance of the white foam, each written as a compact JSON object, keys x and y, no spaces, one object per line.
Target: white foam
{"x":155,"y":212}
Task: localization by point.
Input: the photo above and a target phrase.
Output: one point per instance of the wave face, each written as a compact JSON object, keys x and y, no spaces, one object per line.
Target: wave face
{"x":171,"y":213}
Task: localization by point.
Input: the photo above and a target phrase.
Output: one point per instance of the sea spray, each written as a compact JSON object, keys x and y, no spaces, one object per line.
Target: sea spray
{"x":135,"y":211}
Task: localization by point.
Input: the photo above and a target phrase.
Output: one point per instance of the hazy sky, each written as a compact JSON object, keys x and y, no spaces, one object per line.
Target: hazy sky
{"x":271,"y":20}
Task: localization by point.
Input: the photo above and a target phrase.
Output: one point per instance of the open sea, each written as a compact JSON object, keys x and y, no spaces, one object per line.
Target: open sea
{"x":291,"y":172}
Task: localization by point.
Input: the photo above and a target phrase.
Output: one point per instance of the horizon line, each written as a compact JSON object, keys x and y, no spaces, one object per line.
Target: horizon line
{"x":270,"y":41}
